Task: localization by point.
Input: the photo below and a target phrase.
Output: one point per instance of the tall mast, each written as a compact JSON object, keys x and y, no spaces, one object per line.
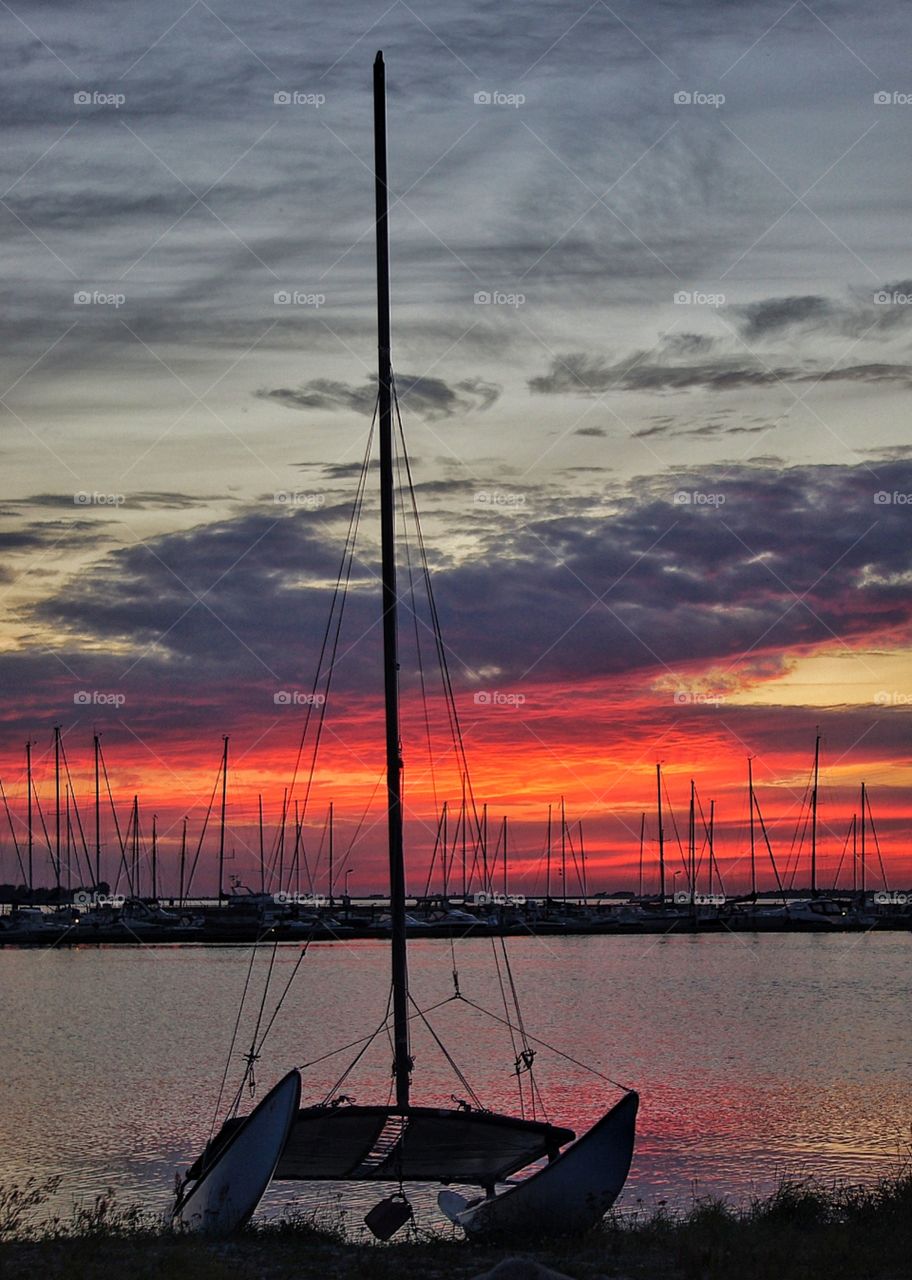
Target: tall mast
{"x":712,"y":845}
{"x":402,"y":1058}
{"x":331,"y":852}
{"x":642,"y":838}
{"x":548,"y":860}
{"x":863,"y":803}
{"x":465,"y":887}
{"x":183,"y":860}
{"x":854,"y":852}
{"x":661,"y":832}
{"x":445,"y":843}
{"x":31,"y":830}
{"x":57,"y":803}
{"x":505,"y":855}
{"x":154,"y":856}
{"x":262,"y":858}
{"x":97,"y":817}
{"x":750,"y":790}
{"x":814,"y":817}
{"x":563,"y":844}
{"x":221,"y":856}
{"x":485,"y":874}
{"x":692,"y":844}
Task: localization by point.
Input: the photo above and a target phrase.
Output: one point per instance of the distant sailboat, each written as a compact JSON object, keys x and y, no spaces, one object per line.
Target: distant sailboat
{"x":340,"y":1141}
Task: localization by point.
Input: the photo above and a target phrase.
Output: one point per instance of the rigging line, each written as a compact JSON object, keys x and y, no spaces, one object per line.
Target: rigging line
{"x":314,"y":1062}
{"x":47,"y":838}
{"x":516,"y":1056}
{"x":883,"y":869}
{"x":275,"y":1012}
{"x":414,"y":611}
{"x":338,"y":598}
{"x":75,"y":808}
{"x":362,"y":1051}
{"x":553,"y":1049}
{"x":234,"y":1036}
{"x":9,"y":817}
{"x":199,"y":846}
{"x":674,"y":823}
{"x":121,"y":844}
{"x":361,"y":821}
{"x":845,"y":845}
{"x":446,"y":680}
{"x":450,"y":1059}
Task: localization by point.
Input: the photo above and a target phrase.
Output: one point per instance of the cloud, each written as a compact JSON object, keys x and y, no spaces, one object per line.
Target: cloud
{"x":427,"y":398}
{"x":580,"y":374}
{"x":780,"y":559}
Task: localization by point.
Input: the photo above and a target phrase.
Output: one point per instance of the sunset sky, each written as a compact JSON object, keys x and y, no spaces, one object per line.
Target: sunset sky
{"x":652,"y":311}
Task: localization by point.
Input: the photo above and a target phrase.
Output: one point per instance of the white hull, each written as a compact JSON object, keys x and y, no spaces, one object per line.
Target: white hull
{"x":572,"y":1192}
{"x":225,"y":1196}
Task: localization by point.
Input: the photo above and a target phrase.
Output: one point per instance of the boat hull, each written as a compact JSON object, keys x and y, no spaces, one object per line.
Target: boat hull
{"x":569,"y":1195}
{"x":224,"y":1197}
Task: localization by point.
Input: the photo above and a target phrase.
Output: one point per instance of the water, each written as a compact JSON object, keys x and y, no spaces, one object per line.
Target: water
{"x":755,"y":1056}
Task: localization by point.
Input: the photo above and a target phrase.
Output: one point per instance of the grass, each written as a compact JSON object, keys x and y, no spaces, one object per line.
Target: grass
{"x":802,"y":1232}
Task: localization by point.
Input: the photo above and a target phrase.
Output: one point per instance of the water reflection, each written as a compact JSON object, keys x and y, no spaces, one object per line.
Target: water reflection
{"x":753,"y":1057}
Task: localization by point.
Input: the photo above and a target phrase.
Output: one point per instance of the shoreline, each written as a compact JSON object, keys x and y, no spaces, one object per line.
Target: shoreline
{"x":802,"y":1232}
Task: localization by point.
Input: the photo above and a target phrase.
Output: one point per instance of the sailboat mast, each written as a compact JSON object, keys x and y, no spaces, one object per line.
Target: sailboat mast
{"x":331,"y":853}
{"x":57,"y":805}
{"x":97,"y":817}
{"x":661,"y":832}
{"x":221,"y":853}
{"x":863,"y":803}
{"x":642,"y":837}
{"x":31,"y":828}
{"x":402,"y":1058}
{"x":750,"y":793}
{"x":814,"y":817}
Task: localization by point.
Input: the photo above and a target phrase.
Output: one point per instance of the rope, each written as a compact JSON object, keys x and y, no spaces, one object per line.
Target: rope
{"x":552,"y":1048}
{"x":450,"y":1059}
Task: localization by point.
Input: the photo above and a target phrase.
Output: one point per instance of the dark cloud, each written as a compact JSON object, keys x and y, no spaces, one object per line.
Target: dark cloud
{"x":580,"y":374}
{"x":428,"y":398}
{"x":776,"y":559}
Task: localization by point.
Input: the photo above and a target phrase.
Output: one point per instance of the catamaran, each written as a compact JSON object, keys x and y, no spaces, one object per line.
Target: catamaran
{"x":576,"y":1180}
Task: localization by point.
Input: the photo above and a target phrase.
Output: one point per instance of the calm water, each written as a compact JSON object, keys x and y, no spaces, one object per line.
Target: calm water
{"x":753,"y":1057}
